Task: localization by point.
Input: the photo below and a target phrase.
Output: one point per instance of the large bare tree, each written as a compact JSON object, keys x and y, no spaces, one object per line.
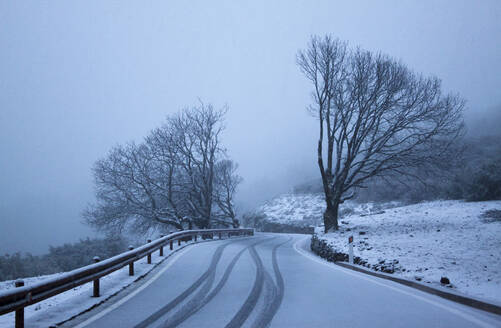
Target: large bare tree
{"x":176,"y":177}
{"x":197,"y":140}
{"x":376,"y":118}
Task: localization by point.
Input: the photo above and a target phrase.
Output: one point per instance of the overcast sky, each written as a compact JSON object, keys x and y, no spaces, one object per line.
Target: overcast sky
{"x":77,"y":77}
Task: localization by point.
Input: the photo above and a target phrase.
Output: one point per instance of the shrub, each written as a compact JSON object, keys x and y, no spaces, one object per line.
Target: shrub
{"x":61,"y":258}
{"x":485,"y":184}
{"x":492,"y":216}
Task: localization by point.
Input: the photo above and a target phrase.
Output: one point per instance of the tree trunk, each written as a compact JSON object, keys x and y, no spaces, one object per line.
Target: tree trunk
{"x":331,"y":216}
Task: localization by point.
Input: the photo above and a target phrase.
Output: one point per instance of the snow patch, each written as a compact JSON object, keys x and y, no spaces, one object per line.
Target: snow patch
{"x":430,"y":240}
{"x":63,"y":306}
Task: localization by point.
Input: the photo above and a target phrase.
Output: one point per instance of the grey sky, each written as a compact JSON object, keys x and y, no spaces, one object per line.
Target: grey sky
{"x":77,"y":77}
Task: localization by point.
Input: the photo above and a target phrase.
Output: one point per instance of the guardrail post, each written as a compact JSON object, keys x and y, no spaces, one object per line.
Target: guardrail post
{"x":219,"y":235}
{"x":149,"y":254}
{"x":131,"y":264}
{"x":171,"y":242}
{"x":195,"y":238}
{"x":20,"y":312}
{"x":96,"y":281}
{"x":179,"y":242}
{"x":350,"y":249}
{"x":161,"y":252}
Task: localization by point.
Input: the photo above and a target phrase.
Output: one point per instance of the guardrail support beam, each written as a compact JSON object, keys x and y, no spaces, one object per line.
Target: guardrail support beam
{"x":96,"y":281}
{"x":149,"y":254}
{"x":179,"y":242}
{"x":20,"y":312}
{"x":131,"y":264}
{"x":161,"y":251}
{"x":171,"y":247}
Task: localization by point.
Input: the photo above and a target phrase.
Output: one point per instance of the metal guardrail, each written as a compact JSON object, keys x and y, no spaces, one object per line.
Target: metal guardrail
{"x":22,"y":296}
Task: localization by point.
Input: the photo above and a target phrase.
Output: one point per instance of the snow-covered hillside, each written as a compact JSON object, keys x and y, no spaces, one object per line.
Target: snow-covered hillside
{"x":424,"y":241}
{"x":306,"y":209}
{"x":431,"y":240}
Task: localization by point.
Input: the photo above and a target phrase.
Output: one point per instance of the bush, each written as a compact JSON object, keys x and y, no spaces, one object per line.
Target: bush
{"x":60,"y":258}
{"x":492,"y":216}
{"x":252,"y":219}
{"x":267,"y":226}
{"x":486,"y":184}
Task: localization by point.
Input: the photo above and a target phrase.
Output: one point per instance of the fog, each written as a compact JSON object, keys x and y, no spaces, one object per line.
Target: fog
{"x":77,"y":78}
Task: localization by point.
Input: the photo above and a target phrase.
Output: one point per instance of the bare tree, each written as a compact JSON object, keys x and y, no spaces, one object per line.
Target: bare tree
{"x":376,"y":118}
{"x":171,"y":179}
{"x":197,"y":140}
{"x":225,"y":186}
{"x":127,"y":194}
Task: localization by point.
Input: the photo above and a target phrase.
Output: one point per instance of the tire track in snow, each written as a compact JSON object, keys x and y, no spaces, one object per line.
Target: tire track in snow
{"x":272,"y":304}
{"x":249,"y":304}
{"x":165,"y":309}
{"x":201,"y":298}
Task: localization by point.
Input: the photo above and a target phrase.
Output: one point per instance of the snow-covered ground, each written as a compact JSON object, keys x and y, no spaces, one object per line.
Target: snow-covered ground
{"x":306,"y":209}
{"x":430,"y":240}
{"x":70,"y":303}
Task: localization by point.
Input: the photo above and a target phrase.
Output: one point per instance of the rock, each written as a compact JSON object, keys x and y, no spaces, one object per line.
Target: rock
{"x":438,"y":230}
{"x":445,"y":281}
{"x":361,"y":232}
{"x":418,"y":278}
{"x":388,"y":269}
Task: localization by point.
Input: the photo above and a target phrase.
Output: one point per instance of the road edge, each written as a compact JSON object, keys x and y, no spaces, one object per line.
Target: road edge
{"x":140,"y":277}
{"x":454,"y":297}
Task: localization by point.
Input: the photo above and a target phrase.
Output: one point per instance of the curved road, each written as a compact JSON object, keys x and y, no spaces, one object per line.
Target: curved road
{"x":272,"y":280}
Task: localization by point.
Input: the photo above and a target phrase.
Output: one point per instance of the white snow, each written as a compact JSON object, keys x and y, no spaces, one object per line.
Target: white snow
{"x":305,"y":208}
{"x":431,"y":240}
{"x":70,"y":303}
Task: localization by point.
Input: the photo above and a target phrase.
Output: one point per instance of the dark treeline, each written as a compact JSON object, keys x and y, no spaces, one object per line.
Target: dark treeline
{"x":60,"y":258}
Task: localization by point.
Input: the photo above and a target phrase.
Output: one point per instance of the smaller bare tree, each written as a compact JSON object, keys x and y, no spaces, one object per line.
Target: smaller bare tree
{"x":197,"y":133}
{"x":226,"y":183}
{"x":127,"y":195}
{"x":179,"y":177}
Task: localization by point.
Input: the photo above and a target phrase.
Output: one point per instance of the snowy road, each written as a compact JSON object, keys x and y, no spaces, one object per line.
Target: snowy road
{"x":272,"y":280}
